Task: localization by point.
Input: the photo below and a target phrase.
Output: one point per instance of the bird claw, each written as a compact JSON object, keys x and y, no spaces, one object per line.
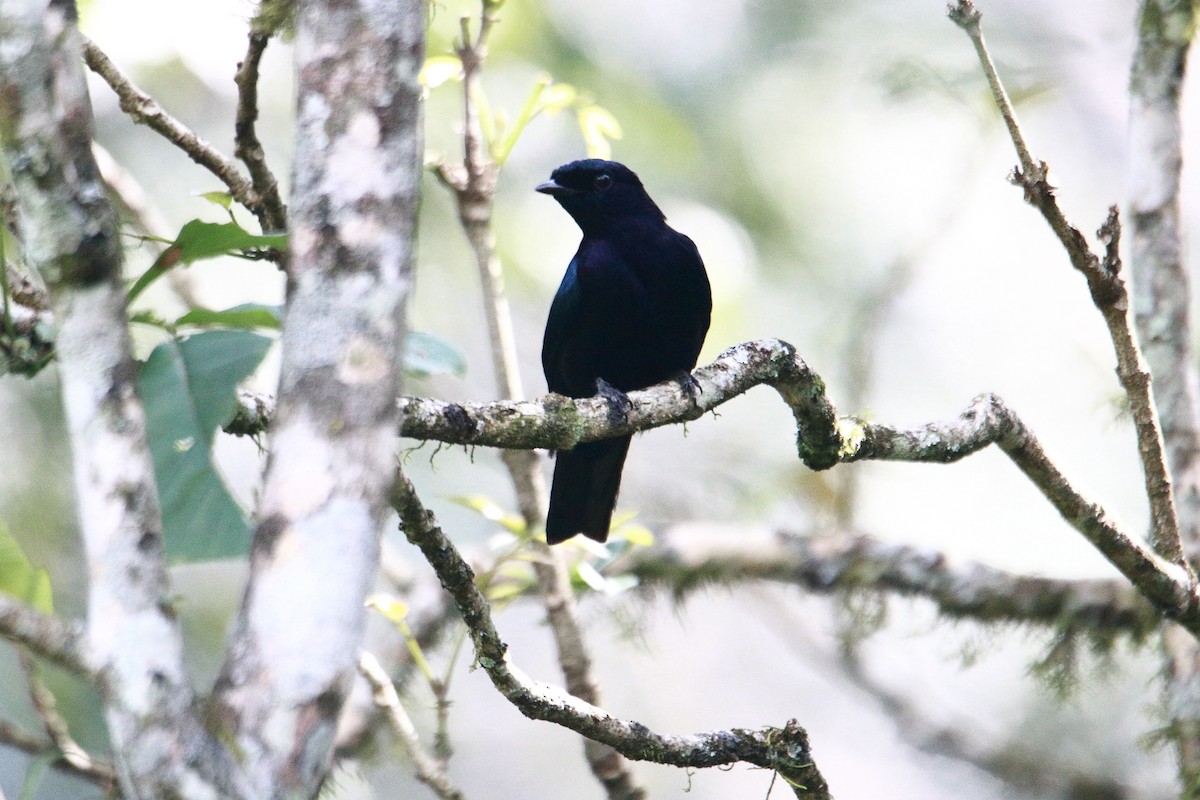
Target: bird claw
{"x":689,"y":385}
{"x":619,"y":404}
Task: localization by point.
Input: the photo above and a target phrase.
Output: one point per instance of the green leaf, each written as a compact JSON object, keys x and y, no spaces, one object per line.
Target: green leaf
{"x":21,"y":579}
{"x":189,"y":390}
{"x":198,"y":240}
{"x":489,"y":510}
{"x":246,"y":316}
{"x":557,"y":97}
{"x":426,"y":354}
{"x":598,"y":126}
{"x":439,"y":69}
{"x":222,"y":199}
{"x":636,"y":535}
{"x":390,"y":606}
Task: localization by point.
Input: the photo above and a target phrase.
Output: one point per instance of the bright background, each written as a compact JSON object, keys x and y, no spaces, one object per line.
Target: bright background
{"x":817,"y":153}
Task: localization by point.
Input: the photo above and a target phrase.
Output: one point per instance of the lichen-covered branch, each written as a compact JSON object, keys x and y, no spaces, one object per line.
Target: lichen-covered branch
{"x":1108,"y":292}
{"x":784,"y":750}
{"x":822,"y":441}
{"x":843,"y":561}
{"x":559,"y":423}
{"x":293,"y":649}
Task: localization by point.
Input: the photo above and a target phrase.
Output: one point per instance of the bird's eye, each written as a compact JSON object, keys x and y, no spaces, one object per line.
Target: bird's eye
{"x":603,"y":181}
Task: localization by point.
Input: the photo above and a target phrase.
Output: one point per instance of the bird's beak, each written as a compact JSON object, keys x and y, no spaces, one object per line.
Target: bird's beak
{"x":550,"y":187}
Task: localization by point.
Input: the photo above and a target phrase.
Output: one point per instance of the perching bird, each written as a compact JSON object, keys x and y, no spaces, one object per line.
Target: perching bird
{"x":632,"y":310}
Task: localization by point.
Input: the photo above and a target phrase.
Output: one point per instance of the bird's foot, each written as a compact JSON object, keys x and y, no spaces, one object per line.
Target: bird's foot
{"x":690,"y":386}
{"x":619,"y":404}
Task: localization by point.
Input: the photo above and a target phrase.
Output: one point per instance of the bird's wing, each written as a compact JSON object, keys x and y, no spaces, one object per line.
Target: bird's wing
{"x":561,"y":326}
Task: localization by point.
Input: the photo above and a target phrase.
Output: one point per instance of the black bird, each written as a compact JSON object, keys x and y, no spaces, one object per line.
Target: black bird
{"x":632,"y":311}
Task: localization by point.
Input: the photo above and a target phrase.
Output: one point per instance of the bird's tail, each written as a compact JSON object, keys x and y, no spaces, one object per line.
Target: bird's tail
{"x":584,"y":492}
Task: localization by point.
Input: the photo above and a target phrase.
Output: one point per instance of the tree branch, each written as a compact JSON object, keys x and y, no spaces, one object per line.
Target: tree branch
{"x":272,"y":213}
{"x":1109,"y":295}
{"x":46,"y":705}
{"x":97,"y":772}
{"x":784,"y":750}
{"x":429,"y":771}
{"x":842,"y":561}
{"x":145,"y":110}
{"x":555,"y":422}
{"x":46,"y":636}
{"x":1162,"y":297}
{"x":822,"y":441}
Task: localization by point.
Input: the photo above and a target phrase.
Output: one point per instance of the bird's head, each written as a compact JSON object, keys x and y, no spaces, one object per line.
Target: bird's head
{"x":599,"y":193}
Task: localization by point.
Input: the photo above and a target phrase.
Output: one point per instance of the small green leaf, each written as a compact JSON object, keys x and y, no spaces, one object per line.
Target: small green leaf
{"x":635,"y":534}
{"x":199,"y":240}
{"x":588,"y":574}
{"x":21,"y":579}
{"x":394,"y":609}
{"x":506,"y":591}
{"x":246,"y":316}
{"x":557,"y":97}
{"x":487,"y":509}
{"x":598,"y":126}
{"x":222,"y":199}
{"x":426,"y":354}
{"x":189,"y":391}
{"x":439,"y":69}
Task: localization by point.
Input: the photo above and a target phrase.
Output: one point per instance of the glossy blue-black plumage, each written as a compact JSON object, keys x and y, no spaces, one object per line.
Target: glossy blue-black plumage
{"x":632,"y":310}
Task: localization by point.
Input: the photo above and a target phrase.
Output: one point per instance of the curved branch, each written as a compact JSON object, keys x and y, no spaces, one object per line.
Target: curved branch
{"x":822,"y":440}
{"x":559,"y":423}
{"x":429,"y":771}
{"x":784,"y":749}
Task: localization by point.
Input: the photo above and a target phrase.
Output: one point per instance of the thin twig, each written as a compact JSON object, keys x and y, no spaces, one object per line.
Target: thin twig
{"x":247,"y":147}
{"x":429,"y":771}
{"x":46,"y":706}
{"x":48,"y":637}
{"x":473,"y":184}
{"x":94,"y":771}
{"x":145,"y":110}
{"x":784,"y":749}
{"x":1108,"y":294}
